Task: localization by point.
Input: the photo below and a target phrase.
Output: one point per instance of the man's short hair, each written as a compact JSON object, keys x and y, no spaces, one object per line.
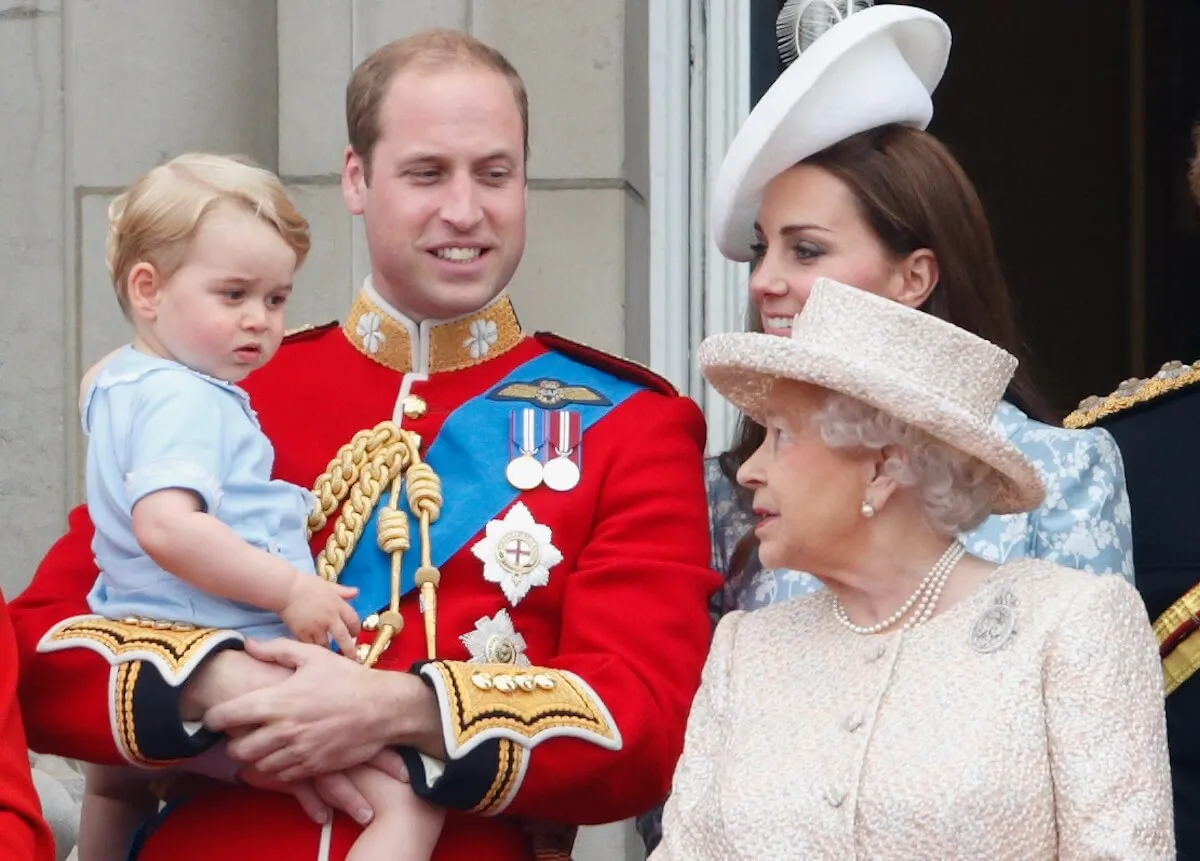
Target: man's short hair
{"x":431,"y":50}
{"x":157,"y":217}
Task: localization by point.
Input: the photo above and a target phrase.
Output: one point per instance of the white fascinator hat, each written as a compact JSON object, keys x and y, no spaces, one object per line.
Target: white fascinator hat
{"x":873,"y":67}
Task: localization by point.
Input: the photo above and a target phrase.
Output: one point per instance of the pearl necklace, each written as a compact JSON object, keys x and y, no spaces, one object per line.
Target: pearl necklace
{"x":922,"y":601}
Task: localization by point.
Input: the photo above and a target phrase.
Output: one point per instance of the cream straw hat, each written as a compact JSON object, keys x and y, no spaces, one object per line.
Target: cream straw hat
{"x":910,"y":364}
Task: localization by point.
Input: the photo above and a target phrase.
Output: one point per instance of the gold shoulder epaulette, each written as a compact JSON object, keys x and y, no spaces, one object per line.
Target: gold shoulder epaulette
{"x":307,"y":329}
{"x":1171,"y":377}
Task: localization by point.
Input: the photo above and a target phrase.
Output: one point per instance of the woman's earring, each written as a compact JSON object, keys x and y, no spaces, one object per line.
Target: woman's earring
{"x":867,"y":509}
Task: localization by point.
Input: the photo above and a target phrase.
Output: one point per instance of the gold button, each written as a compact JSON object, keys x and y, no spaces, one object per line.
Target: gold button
{"x":524,"y":682}
{"x":544,"y":682}
{"x":414,"y":407}
{"x":371,"y":623}
{"x":483,"y":681}
{"x":504,"y":684}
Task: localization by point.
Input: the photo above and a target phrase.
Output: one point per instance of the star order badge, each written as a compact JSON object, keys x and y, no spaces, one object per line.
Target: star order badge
{"x":495,"y":641}
{"x":516,"y":553}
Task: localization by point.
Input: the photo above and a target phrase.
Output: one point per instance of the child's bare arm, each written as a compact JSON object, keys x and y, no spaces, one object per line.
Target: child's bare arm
{"x":184,"y":540}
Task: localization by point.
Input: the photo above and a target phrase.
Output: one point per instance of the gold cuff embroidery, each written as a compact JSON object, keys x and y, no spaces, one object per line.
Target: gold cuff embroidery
{"x":510,"y":773}
{"x":122,"y":682}
{"x":526,"y":706}
{"x":175,"y":649}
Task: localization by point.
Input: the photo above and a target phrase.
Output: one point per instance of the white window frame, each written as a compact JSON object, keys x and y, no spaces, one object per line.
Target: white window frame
{"x":699,"y":96}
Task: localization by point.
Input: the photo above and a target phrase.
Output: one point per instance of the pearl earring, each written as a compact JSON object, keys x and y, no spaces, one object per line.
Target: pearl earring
{"x":867,"y":509}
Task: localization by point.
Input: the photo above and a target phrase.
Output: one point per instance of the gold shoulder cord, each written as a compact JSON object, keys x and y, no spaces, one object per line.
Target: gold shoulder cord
{"x":374,"y":460}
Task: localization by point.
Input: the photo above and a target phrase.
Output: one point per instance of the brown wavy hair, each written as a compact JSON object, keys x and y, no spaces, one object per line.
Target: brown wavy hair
{"x":914,"y":194}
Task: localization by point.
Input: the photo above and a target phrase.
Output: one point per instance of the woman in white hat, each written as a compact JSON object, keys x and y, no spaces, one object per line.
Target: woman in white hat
{"x":832,"y":175}
{"x":928,"y":703}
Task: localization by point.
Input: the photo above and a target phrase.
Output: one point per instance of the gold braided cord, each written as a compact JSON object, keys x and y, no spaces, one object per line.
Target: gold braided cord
{"x":425,"y":499}
{"x":333,"y":484}
{"x":424,"y":491}
{"x":393,"y":526}
{"x":355,"y":480}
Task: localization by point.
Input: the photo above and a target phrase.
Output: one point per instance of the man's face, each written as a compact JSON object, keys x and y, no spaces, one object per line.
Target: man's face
{"x":444,"y":209}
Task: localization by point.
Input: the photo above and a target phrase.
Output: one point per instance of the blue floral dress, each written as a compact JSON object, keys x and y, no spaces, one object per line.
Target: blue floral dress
{"x":1083,"y":523}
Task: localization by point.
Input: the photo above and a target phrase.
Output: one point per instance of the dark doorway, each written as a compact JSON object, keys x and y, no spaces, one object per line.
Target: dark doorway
{"x":1076,"y":128}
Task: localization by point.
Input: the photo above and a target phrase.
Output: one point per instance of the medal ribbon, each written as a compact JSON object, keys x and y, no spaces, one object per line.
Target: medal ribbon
{"x":566,"y":432}
{"x":526,"y":434}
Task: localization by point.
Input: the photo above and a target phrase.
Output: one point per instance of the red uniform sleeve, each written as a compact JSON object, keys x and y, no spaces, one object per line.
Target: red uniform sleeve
{"x":23,"y":832}
{"x":594,"y":736}
{"x":99,"y":690}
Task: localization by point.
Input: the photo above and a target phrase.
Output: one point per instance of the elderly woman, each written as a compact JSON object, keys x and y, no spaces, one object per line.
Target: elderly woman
{"x":944,"y":706}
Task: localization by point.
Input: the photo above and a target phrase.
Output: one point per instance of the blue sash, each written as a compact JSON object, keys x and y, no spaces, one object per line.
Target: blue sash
{"x":470,"y":454}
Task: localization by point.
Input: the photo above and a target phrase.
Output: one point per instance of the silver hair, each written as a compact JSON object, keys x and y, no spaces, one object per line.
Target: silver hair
{"x":956,"y":490}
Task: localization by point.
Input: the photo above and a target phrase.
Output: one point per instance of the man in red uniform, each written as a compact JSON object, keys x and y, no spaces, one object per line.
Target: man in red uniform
{"x":524,"y":519}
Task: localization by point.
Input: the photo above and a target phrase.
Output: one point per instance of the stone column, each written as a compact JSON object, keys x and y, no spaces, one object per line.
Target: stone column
{"x":33,"y":278}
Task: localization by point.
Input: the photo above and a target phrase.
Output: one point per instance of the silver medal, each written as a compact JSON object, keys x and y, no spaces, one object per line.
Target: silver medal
{"x":561,"y":474}
{"x":524,"y":473}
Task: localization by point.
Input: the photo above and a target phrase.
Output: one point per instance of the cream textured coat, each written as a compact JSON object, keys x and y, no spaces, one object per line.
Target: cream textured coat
{"x":958,"y":739}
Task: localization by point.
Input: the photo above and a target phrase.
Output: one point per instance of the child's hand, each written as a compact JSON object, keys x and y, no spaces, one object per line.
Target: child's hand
{"x":317,"y":611}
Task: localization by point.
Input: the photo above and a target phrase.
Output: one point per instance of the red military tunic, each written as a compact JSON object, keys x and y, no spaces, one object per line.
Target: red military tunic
{"x":606,"y":638}
{"x":23,"y":833}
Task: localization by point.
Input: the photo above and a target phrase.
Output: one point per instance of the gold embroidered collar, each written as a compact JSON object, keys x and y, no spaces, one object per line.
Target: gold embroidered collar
{"x":384,"y":335}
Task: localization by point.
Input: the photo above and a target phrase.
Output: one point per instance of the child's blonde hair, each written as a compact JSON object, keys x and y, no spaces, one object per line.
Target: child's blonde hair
{"x":156,"y":218}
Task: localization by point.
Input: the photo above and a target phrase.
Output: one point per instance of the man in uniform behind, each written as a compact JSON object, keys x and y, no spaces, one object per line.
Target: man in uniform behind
{"x":524,"y":519}
{"x":1156,"y":423}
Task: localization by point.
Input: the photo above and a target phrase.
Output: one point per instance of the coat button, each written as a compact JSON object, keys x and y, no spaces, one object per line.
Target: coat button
{"x":835,"y":797}
{"x":414,"y":407}
{"x":876,"y":652}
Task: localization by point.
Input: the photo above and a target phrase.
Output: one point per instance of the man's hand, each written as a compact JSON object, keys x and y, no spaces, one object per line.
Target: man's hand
{"x":331,"y":714}
{"x":225,"y":676}
{"x":316,"y":611}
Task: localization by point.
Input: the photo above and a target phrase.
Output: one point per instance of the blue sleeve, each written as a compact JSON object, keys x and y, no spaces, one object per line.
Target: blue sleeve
{"x":177,"y":439}
{"x":1085,"y":522}
{"x":723,"y":535}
